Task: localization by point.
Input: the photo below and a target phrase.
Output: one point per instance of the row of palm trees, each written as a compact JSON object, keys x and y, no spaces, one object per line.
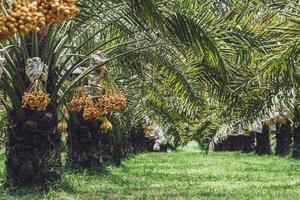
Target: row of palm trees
{"x":264,"y":83}
{"x":202,"y":62}
{"x":40,"y":79}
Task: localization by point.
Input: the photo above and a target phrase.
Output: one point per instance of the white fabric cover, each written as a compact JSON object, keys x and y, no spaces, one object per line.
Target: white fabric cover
{"x":257,"y":126}
{"x":156,"y":146}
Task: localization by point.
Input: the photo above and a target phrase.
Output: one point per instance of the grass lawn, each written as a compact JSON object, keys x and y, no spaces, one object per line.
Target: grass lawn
{"x":181,"y":175}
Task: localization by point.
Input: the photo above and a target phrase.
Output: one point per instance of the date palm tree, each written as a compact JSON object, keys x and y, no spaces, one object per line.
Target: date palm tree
{"x":33,"y":144}
{"x":189,"y":54}
{"x":87,"y":147}
{"x":269,"y":72}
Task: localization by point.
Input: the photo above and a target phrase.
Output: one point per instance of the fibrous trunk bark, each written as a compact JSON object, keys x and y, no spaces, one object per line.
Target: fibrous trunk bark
{"x":249,"y":141}
{"x":84,"y":143}
{"x":237,"y":143}
{"x":33,"y":148}
{"x":283,"y":139}
{"x":120,"y":149}
{"x":296,"y":143}
{"x":117,"y":154}
{"x":138,"y":142}
{"x":263,"y":141}
{"x":107,"y":148}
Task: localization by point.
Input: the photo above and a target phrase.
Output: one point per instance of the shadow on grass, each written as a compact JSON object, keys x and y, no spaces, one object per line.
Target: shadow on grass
{"x":62,"y":185}
{"x":104,"y":174}
{"x":77,"y":170}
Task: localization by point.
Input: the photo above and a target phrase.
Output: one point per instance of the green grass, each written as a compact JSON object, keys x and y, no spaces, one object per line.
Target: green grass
{"x":181,"y":175}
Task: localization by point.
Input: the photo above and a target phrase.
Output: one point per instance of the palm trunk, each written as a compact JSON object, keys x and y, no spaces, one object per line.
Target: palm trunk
{"x":127,"y":146}
{"x":117,"y":154}
{"x":263,"y":141}
{"x":248,"y":143}
{"x":283,"y":139}
{"x":107,"y":148}
{"x":150,"y":144}
{"x":33,"y":148}
{"x":138,"y":141}
{"x":242,"y":143}
{"x":296,"y":143}
{"x":121,"y":149}
{"x":84,"y":143}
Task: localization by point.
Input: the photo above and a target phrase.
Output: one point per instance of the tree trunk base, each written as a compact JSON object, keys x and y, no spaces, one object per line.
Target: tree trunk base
{"x":296,"y":143}
{"x":138,"y":142}
{"x":118,"y":154}
{"x":84,"y":145}
{"x":242,"y":143}
{"x":107,"y":148}
{"x":249,"y":143}
{"x":263,"y":146}
{"x":283,"y":140}
{"x":33,"y":149}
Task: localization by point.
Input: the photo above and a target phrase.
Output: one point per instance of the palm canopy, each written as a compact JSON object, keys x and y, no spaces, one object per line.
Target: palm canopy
{"x":208,"y":49}
{"x":270,"y":84}
{"x":171,"y":57}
